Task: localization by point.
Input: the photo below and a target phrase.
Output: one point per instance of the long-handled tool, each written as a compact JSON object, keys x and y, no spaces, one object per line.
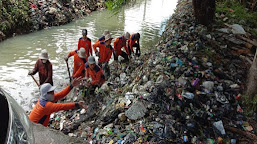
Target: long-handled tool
{"x":68,"y":70}
{"x":35,"y":80}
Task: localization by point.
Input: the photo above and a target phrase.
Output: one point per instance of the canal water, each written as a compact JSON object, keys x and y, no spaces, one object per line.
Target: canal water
{"x":19,"y":54}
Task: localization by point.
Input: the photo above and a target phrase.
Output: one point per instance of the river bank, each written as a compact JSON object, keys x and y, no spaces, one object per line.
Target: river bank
{"x":22,"y":17}
{"x":188,"y":89}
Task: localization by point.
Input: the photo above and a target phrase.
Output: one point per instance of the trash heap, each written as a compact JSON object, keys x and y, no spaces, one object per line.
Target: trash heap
{"x":47,"y":13}
{"x":187,"y":91}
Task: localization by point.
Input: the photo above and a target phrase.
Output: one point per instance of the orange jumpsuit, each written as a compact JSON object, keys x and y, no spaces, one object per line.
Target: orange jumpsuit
{"x":102,"y":38}
{"x":96,"y":75}
{"x":105,"y":53}
{"x":43,"y":109}
{"x":118,"y":44}
{"x":79,"y":64}
{"x":85,"y":44}
{"x":132,"y":43}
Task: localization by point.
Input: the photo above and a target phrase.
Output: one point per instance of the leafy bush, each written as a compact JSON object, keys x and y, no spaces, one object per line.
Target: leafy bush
{"x":114,"y":5}
{"x":15,"y":16}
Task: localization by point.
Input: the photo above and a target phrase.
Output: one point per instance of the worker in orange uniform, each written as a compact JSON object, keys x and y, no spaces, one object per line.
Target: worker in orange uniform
{"x":85,"y":42}
{"x":102,"y":38}
{"x":44,"y":68}
{"x":105,"y":54}
{"x":79,"y":62}
{"x":134,"y":42}
{"x":95,"y":72}
{"x":118,"y":44}
{"x":46,"y":103}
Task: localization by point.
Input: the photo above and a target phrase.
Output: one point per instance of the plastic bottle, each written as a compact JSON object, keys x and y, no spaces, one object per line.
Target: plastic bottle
{"x":109,"y":130}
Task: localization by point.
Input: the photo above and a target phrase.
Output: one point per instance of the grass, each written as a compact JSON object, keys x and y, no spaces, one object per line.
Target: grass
{"x":250,"y":106}
{"x":241,"y":15}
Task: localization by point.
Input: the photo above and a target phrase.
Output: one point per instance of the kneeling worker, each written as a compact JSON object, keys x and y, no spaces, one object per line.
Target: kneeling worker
{"x":46,"y":103}
{"x":95,"y":72}
{"x":118,"y":44}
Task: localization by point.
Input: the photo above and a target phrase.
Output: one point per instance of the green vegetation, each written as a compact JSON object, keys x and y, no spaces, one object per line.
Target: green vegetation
{"x":115,"y":5}
{"x":15,"y":17}
{"x":250,"y":106}
{"x":238,"y":13}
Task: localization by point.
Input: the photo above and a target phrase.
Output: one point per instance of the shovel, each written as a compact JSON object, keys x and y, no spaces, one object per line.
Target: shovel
{"x":35,"y":80}
{"x":68,"y":70}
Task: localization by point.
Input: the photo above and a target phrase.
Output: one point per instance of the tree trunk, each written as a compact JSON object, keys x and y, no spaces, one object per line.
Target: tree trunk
{"x":204,"y":11}
{"x":252,"y":79}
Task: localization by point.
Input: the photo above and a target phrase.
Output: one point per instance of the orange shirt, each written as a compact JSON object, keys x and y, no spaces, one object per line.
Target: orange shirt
{"x":105,"y":53}
{"x":118,"y":44}
{"x":85,"y":44}
{"x":102,"y":38}
{"x":42,"y":110}
{"x":132,"y":41}
{"x":79,"y":64}
{"x":96,"y":75}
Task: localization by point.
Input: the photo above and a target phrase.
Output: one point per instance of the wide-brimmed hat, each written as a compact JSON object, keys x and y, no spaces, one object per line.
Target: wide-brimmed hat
{"x":84,"y":32}
{"x":44,"y":89}
{"x":44,"y":55}
{"x":54,"y":1}
{"x":106,"y":32}
{"x":81,"y":51}
{"x":91,"y":60}
{"x":127,"y":35}
{"x":107,"y":37}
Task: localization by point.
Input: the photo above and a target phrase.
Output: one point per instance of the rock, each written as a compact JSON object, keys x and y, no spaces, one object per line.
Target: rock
{"x":136,"y":111}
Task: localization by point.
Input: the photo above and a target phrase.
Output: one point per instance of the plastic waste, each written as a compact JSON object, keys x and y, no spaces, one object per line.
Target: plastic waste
{"x":219,"y":126}
{"x":209,"y":85}
{"x":237,"y":29}
{"x":177,"y":63}
{"x":188,"y":95}
{"x":136,"y":111}
{"x":195,"y":82}
{"x":221,"y":98}
{"x":233,"y":141}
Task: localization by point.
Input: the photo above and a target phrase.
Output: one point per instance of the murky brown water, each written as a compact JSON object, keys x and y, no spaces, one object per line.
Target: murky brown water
{"x":19,"y":54}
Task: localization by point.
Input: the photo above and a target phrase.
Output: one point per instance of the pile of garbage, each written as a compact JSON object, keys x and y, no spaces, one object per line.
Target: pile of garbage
{"x":187,"y":91}
{"x":47,"y":13}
